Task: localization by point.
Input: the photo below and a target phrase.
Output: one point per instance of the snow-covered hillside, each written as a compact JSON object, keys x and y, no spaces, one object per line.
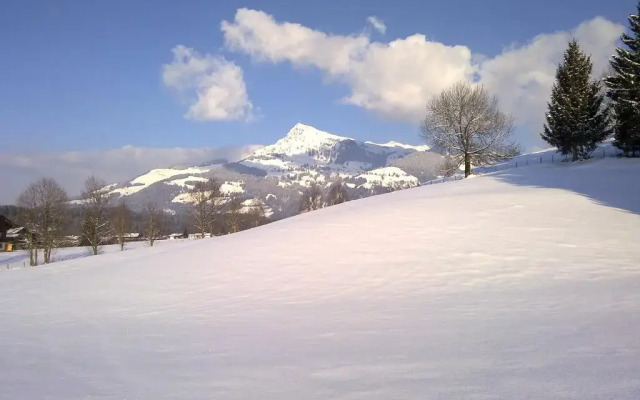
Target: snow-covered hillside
{"x":160,"y":175}
{"x":523,"y":284}
{"x":305,"y":155}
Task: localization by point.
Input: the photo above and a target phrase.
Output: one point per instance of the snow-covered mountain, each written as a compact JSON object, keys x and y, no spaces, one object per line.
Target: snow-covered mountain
{"x":305,"y":146}
{"x":276,"y":174}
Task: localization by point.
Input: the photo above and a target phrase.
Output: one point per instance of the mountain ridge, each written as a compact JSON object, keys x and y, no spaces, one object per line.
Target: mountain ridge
{"x":277,"y":173}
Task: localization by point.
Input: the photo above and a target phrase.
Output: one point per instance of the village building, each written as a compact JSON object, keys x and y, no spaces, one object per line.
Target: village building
{"x":11,"y":235}
{"x":193,"y":236}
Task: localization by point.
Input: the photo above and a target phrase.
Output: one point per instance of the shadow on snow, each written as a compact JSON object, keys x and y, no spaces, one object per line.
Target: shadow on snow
{"x":611,"y":182}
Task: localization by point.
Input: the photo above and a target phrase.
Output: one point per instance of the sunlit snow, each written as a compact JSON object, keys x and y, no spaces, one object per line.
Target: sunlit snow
{"x":523,"y":284}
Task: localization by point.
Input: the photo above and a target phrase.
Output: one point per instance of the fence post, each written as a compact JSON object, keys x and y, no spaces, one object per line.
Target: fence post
{"x":540,"y":159}
{"x":516,"y":164}
{"x":527,"y":161}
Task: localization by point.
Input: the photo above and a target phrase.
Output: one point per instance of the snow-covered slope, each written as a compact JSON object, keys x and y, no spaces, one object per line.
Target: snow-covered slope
{"x":159,"y":175}
{"x":388,"y":177}
{"x":518,"y":285}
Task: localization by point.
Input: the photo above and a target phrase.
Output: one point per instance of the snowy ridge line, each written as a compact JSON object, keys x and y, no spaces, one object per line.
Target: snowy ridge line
{"x":550,"y":156}
{"x":443,"y":180}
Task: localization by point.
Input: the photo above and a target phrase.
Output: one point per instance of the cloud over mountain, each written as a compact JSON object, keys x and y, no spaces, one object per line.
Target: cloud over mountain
{"x":72,"y":168}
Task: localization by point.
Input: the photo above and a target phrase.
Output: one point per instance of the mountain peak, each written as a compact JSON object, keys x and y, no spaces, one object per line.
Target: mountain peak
{"x":302,"y":140}
{"x":301,"y":130}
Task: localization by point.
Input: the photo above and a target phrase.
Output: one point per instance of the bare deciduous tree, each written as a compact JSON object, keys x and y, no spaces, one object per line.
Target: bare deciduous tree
{"x":465,"y":123}
{"x":44,"y":205}
{"x":154,"y":223}
{"x":28,"y":202}
{"x":311,"y":199}
{"x":95,"y":225}
{"x":448,"y":167}
{"x":337,"y":194}
{"x":121,"y":222}
{"x":390,"y":187}
{"x":205,"y":204}
{"x":233,"y":214}
{"x":256,"y":215}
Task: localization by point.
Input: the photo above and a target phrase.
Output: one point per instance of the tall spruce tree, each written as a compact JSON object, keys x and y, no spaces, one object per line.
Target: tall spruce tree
{"x":577,"y":120}
{"x":624,"y":89}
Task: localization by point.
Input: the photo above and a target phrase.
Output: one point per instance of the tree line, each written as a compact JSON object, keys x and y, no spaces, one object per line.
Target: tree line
{"x":45,"y":211}
{"x":214,"y":213}
{"x":583,"y":111}
{"x":313,"y":198}
{"x":467,"y":126}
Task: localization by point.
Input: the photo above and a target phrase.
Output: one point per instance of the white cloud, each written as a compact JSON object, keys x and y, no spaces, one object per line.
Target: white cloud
{"x":214,"y":87}
{"x":377,"y":24}
{"x":71,"y":169}
{"x":391,"y":78}
{"x":397,"y":78}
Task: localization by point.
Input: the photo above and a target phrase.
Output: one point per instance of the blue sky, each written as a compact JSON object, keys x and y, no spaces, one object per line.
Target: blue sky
{"x":83,"y":79}
{"x":81,"y":75}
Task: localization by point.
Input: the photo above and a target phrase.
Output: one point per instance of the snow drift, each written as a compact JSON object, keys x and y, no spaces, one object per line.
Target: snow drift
{"x":518,"y":285}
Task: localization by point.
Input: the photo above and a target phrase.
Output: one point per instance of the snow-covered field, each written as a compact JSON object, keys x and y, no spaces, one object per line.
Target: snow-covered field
{"x":20,"y":258}
{"x":524,"y":284}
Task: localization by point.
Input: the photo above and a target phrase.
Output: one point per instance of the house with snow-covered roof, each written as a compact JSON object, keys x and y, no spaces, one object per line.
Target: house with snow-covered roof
{"x":5,"y":225}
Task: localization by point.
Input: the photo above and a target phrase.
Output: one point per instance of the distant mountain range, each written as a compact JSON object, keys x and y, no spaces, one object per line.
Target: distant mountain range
{"x":276,"y":174}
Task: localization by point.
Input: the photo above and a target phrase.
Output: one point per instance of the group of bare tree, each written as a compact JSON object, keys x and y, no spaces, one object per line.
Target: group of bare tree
{"x":154,"y":226}
{"x":213,"y":213}
{"x":43,"y":207}
{"x":44,"y":211}
{"x":102,"y":221}
{"x":312,"y":197}
{"x":121,"y":223}
{"x":205,"y":196}
{"x":96,"y":225}
{"x":237,"y":215}
{"x":337,"y":194}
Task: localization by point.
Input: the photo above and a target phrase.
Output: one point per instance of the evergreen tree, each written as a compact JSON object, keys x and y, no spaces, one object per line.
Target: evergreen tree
{"x":624,"y":89}
{"x":577,"y":120}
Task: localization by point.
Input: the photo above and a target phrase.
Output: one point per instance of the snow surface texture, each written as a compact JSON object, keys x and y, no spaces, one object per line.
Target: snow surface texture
{"x":522,"y":284}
